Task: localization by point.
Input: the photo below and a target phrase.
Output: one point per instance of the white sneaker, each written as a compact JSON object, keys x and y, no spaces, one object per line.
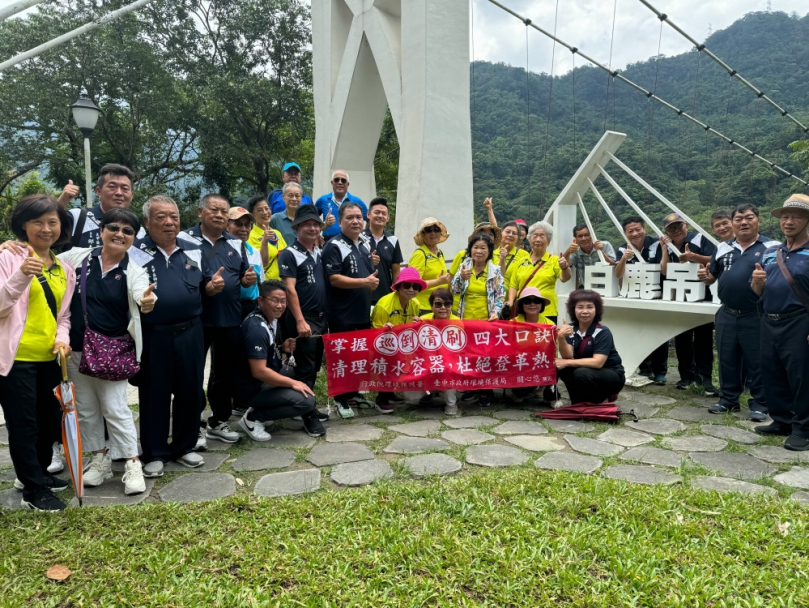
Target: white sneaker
{"x":255,"y":429}
{"x":134,"y":483}
{"x":100,"y":469}
{"x":202,"y":442}
{"x":191,"y":460}
{"x":57,"y":464}
{"x":451,"y":410}
{"x":222,"y":432}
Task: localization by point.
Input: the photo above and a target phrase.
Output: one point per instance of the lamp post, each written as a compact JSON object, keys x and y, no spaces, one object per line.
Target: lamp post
{"x":85,"y":113}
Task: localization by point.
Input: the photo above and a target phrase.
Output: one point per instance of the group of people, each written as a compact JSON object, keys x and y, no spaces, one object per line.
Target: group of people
{"x":258,"y":286}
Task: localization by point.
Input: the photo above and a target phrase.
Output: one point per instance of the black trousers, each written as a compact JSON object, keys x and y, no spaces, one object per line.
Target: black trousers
{"x":335,"y":327}
{"x":172,"y":364}
{"x":658,"y":362}
{"x":694,"y":350}
{"x":738,"y":345}
{"x":224,"y":343}
{"x":308,"y":351}
{"x":591,"y":385}
{"x":785,"y":371}
{"x":33,"y":418}
{"x":276,"y":403}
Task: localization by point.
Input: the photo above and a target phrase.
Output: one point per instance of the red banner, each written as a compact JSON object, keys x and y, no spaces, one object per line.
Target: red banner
{"x":441,"y":355}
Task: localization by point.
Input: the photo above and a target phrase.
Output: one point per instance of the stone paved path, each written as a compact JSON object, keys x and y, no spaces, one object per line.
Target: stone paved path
{"x":676,"y":441}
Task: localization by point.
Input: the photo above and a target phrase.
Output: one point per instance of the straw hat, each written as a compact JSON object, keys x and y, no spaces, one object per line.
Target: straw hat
{"x":496,"y":230}
{"x":427,"y":222}
{"x":796,"y":202}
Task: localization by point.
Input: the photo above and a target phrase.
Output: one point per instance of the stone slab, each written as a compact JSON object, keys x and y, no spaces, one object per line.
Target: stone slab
{"x":726,"y":484}
{"x":5,"y":458}
{"x":8,"y":476}
{"x":436,"y":413}
{"x":512,"y":414}
{"x":352,"y":432}
{"x":647,"y":398}
{"x":431,"y":464}
{"x":212,"y":462}
{"x":467,"y":436}
{"x":569,"y":426}
{"x":214,"y":445}
{"x":628,"y":439}
{"x":777,"y":454}
{"x":565,"y":461}
{"x":288,"y":483}
{"x":199,"y":487}
{"x":593,"y":447}
{"x":796,"y":477}
{"x":380,"y":419}
{"x":417,"y":429}
{"x":11,"y":500}
{"x":3,"y":435}
{"x":495,"y":456}
{"x":639,"y":474}
{"x":732,"y":464}
{"x":695,"y":443}
{"x":327,"y":454}
{"x":657,"y":426}
{"x":657,"y":456}
{"x":688,"y":413}
{"x":361,"y":473}
{"x":259,"y":459}
{"x":533,"y":443}
{"x":288,"y":440}
{"x":751,"y":425}
{"x":802,"y":498}
{"x":744,"y":414}
{"x":730,"y":432}
{"x":415,"y":445}
{"x":640,"y":410}
{"x":516,"y":427}
{"x":111,"y":494}
{"x":470,"y":422}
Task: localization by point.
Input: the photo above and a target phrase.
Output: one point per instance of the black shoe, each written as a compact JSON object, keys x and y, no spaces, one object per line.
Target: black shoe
{"x":756,"y":416}
{"x":313,"y":426}
{"x":323,"y":417}
{"x":55,"y":484}
{"x":724,"y":409}
{"x":43,"y":500}
{"x":710,"y":390}
{"x":683,"y":385}
{"x":774,"y":428}
{"x":796,"y":443}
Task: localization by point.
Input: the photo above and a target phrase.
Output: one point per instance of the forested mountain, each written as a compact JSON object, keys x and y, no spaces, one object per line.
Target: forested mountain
{"x":693,"y":169}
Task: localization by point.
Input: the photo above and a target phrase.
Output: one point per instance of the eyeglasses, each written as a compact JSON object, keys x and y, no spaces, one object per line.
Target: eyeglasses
{"x":275,"y":301}
{"x":675,"y":228}
{"x":430,"y":229}
{"x":442,"y":304}
{"x":339,"y":180}
{"x":414,"y":286}
{"x":532,"y":301}
{"x":242,"y":224}
{"x":116,"y":228}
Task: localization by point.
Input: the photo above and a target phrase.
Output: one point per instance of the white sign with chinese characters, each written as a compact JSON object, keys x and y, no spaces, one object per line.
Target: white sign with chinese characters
{"x":682,"y":284}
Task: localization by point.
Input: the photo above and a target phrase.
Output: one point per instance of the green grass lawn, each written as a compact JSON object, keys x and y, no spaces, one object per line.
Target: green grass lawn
{"x":517,"y":537}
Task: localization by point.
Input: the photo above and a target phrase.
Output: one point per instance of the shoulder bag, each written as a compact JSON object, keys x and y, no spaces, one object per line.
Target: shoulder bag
{"x":103,"y":357}
{"x":799,"y":293}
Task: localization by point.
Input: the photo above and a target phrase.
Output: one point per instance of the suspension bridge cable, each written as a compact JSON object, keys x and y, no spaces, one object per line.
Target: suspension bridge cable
{"x":694,"y":112}
{"x":733,"y":73}
{"x":651,"y":105}
{"x":609,"y":66}
{"x":527,"y":23}
{"x":528,"y":115}
{"x":649,"y":94}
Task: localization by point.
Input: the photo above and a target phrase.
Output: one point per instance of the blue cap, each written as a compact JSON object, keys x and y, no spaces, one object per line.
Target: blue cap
{"x":288,"y":166}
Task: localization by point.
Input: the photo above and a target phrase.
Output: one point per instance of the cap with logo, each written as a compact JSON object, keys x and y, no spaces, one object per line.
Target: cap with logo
{"x":236,"y":212}
{"x":673,"y":218}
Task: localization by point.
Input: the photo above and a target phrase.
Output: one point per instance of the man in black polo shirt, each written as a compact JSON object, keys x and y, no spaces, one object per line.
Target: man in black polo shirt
{"x":301,"y":268}
{"x":694,"y":347}
{"x":656,"y":364}
{"x":385,"y":251}
{"x":738,"y":322}
{"x":225,"y":257}
{"x":264,"y":388}
{"x":352,"y":280}
{"x":173,"y":358}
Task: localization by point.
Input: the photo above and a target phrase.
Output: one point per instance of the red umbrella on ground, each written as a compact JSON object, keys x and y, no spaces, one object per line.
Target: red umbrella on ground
{"x":607,"y":412}
{"x":71,"y":435}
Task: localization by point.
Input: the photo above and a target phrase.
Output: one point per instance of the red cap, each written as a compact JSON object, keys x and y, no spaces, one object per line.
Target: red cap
{"x":520,"y":222}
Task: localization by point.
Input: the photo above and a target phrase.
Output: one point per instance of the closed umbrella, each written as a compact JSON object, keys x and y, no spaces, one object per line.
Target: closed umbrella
{"x":71,"y":436}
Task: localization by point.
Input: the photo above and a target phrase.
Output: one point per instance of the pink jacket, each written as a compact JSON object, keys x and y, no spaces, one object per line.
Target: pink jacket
{"x":14,"y":307}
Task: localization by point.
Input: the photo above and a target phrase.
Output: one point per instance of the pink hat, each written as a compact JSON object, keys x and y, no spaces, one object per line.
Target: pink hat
{"x":533,"y":291}
{"x":409,"y":275}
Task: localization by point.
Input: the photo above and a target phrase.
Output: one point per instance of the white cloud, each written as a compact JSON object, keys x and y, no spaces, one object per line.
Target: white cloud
{"x":587,"y":24}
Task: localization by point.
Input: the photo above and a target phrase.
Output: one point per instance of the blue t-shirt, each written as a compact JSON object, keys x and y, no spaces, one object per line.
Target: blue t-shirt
{"x":733,"y":269}
{"x":277,"y":204}
{"x":327,"y":203}
{"x":778,"y":297}
{"x":254,"y":260}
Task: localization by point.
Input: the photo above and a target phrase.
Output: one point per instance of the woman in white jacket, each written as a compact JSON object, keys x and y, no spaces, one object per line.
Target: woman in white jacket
{"x":117,"y":291}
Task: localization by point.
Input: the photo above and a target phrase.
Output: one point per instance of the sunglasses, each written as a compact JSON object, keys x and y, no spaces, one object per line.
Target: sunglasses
{"x":414,"y":286}
{"x":532,"y":301}
{"x":124,"y":229}
{"x":247,"y":224}
{"x":339,"y":180}
{"x":442,"y":304}
{"x":430,"y":229}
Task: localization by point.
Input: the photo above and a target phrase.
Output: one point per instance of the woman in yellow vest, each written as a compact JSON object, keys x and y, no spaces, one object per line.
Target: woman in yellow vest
{"x":441,"y":301}
{"x":429,"y":260}
{"x":267,"y":241}
{"x":530,"y":307}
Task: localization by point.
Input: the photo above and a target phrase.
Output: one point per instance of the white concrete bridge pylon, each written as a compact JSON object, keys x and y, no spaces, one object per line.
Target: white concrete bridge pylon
{"x":413,"y":57}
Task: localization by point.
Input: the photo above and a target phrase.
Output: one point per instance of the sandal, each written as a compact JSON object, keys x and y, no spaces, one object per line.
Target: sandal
{"x":359,"y":402}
